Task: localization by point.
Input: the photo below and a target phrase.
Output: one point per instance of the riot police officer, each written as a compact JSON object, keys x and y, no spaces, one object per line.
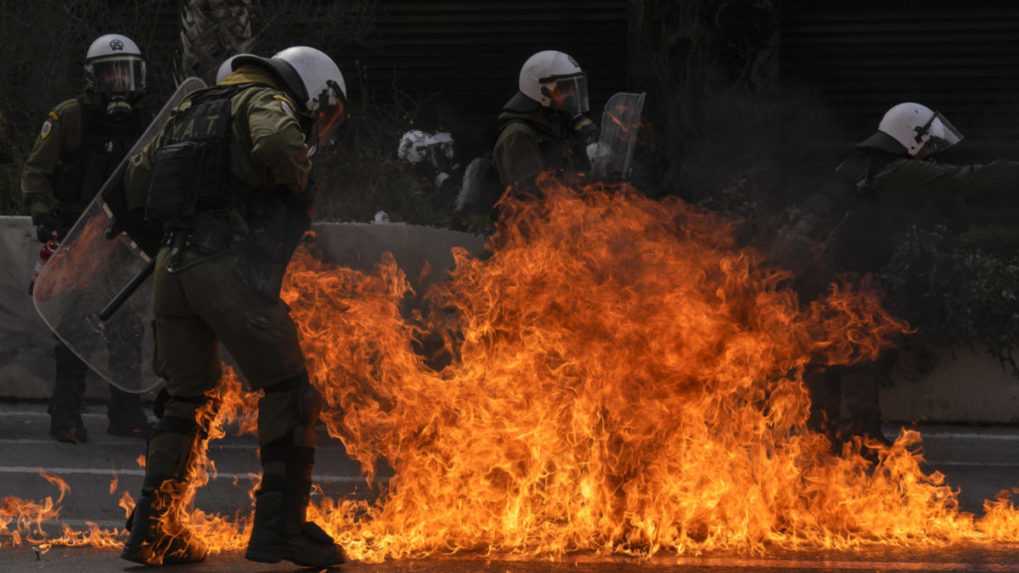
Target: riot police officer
{"x":545,"y":126}
{"x":228,"y":180}
{"x":80,"y":144}
{"x":900,"y":184}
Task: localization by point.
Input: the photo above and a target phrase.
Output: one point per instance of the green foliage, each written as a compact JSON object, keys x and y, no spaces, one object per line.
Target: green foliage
{"x":957,"y":294}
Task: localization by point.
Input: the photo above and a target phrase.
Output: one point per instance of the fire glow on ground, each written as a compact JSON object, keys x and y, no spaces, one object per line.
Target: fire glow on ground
{"x":616,"y":379}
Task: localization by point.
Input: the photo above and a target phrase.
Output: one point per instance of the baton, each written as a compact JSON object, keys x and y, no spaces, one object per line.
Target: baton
{"x":125,"y":293}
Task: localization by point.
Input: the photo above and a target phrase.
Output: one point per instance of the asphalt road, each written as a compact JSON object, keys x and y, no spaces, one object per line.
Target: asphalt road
{"x":979,"y":461}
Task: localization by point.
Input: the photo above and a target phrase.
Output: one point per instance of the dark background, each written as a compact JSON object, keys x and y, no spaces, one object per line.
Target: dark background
{"x":751,"y":105}
{"x":452,"y":64}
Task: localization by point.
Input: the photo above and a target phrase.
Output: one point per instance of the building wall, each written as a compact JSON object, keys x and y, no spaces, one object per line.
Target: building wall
{"x":961,"y":58}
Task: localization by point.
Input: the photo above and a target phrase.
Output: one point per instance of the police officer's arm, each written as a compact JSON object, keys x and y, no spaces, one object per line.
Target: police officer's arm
{"x":517,"y":158}
{"x":37,"y":175}
{"x":137,"y":176}
{"x":972,"y":182}
{"x":277,"y":141}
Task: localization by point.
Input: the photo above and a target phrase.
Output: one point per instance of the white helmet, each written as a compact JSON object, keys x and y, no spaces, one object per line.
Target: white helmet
{"x":227,"y":67}
{"x":315,"y":81}
{"x":318,"y":85}
{"x":554,"y":79}
{"x":417,"y":146}
{"x":914,"y":129}
{"x":321,"y":80}
{"x":114,"y":67}
{"x":413,"y":146}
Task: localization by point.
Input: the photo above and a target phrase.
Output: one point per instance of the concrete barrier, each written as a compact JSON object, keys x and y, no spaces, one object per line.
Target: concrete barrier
{"x":966,"y":386}
{"x":26,"y":345}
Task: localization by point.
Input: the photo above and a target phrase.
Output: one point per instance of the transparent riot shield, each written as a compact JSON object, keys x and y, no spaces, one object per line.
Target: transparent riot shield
{"x":620,"y":124}
{"x":89,"y":270}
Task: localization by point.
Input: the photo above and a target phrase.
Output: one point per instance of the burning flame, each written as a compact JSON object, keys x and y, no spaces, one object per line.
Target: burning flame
{"x":28,"y":517}
{"x":617,"y":377}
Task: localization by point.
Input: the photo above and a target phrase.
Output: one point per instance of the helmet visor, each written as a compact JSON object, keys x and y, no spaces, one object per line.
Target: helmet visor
{"x":330,"y":112}
{"x":328,"y":120}
{"x":120,"y":75}
{"x":567,"y":93}
{"x":941,"y":135}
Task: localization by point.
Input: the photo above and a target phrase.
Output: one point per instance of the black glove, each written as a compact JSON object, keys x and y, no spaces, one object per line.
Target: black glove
{"x":48,"y":227}
{"x":587,"y":131}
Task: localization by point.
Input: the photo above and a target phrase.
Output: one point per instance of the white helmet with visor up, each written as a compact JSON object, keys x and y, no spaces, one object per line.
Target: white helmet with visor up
{"x":115,"y":68}
{"x":315,"y":81}
{"x":319,"y":88}
{"x":914,"y":129}
{"x":555,"y":80}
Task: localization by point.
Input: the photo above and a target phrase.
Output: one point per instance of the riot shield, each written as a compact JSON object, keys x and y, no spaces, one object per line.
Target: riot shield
{"x":620,"y":125}
{"x":89,"y":270}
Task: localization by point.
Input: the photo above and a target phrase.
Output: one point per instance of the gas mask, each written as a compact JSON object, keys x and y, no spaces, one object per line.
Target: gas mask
{"x":568,"y":95}
{"x":119,"y":80}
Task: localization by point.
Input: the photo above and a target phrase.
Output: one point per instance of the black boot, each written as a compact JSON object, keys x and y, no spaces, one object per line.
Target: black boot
{"x":66,"y":424}
{"x":68,"y":428}
{"x":150,"y":545}
{"x":280,"y":533}
{"x":127,"y":418}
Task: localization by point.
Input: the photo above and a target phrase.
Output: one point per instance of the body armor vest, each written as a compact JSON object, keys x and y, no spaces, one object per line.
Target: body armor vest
{"x":191,"y":172}
{"x":558,"y":154}
{"x":83,"y":171}
{"x":198,"y":200}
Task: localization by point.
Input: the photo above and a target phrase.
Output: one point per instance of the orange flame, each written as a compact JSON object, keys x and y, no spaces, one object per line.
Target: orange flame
{"x":28,"y":518}
{"x":619,"y":379}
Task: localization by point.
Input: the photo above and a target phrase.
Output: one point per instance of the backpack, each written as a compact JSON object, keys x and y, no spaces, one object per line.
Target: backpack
{"x":481,"y":187}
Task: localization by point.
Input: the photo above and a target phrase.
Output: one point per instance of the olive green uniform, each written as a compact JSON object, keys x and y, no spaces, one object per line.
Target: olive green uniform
{"x":217,"y":280}
{"x":977,"y":200}
{"x":75,"y":152}
{"x":531,"y":140}
{"x":229,"y":293}
{"x":898,"y":193}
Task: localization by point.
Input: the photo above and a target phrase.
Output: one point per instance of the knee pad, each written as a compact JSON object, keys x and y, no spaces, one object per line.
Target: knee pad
{"x":169,"y":448}
{"x":287,"y":415}
{"x":292,"y":404}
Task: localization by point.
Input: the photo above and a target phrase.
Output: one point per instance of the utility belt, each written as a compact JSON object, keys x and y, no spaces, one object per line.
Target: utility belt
{"x":208,"y":235}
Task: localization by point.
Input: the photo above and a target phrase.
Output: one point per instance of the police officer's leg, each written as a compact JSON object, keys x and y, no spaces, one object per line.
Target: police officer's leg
{"x":68,"y":391}
{"x":187,"y":357}
{"x":124,"y":410}
{"x":825,"y":387}
{"x":258,"y":332}
{"x":861,"y":398}
{"x":126,"y":415}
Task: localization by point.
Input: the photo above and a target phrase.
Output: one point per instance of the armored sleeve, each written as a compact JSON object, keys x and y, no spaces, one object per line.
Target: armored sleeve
{"x":137,"y":176}
{"x":517,"y":156}
{"x":277,"y":141}
{"x":37,"y":174}
{"x":981,"y":182}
